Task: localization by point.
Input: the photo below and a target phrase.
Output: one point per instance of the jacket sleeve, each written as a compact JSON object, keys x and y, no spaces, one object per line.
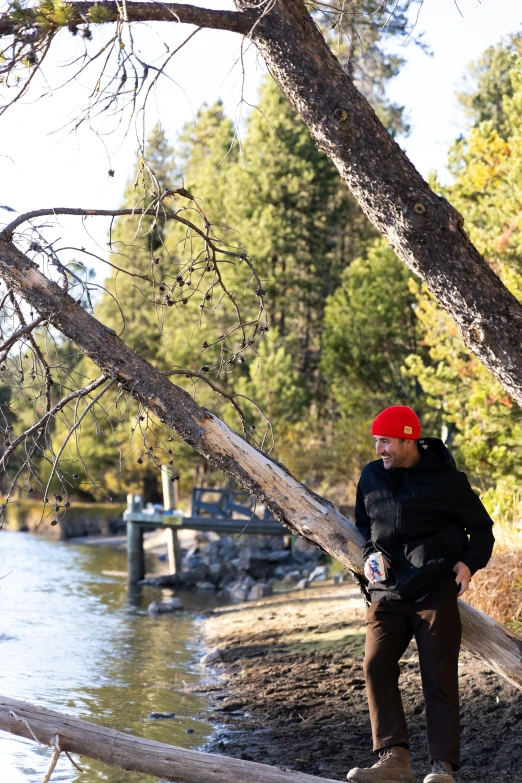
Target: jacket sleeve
{"x":363,"y":523}
{"x":469,"y":512}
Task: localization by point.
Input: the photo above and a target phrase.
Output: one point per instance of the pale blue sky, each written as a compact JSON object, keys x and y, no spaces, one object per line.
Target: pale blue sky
{"x":42,"y":169}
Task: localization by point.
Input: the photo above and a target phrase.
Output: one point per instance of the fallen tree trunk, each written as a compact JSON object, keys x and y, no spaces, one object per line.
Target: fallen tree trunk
{"x":300,"y":509}
{"x":134,"y":753}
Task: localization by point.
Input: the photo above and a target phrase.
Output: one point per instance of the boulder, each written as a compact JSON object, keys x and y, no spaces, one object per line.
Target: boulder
{"x":319,"y":574}
{"x":259,"y":564}
{"x":205,"y":586}
{"x":302,"y":585}
{"x":238,"y":590}
{"x":194,"y":575}
{"x":163,"y":607}
{"x":194,"y":560}
{"x":291,"y":577}
{"x":260,"y":590}
{"x":211,"y":657}
{"x":161,"y":715}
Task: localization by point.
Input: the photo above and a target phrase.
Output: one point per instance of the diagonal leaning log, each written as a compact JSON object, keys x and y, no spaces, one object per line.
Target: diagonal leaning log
{"x":300,"y":509}
{"x":134,"y":753}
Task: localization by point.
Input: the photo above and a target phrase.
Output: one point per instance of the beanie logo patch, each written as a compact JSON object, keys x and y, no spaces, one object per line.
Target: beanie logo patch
{"x":408,"y":431}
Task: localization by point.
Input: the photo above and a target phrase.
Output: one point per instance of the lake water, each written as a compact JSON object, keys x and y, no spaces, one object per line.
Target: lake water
{"x":72,"y":640}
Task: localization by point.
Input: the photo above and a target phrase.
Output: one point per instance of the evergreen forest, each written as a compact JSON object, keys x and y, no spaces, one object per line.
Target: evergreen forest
{"x":348,"y":329}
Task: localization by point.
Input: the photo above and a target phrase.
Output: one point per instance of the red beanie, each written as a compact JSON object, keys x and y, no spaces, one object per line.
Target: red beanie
{"x":398,"y":421}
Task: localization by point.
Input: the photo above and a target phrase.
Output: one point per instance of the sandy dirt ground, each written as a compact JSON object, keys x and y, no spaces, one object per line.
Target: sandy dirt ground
{"x":289,"y":691}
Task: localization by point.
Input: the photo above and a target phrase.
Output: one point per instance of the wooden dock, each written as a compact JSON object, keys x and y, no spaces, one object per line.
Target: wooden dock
{"x":216,"y":510}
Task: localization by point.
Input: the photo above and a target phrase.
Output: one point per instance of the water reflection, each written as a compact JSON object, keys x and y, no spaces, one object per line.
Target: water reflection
{"x":71,"y":640}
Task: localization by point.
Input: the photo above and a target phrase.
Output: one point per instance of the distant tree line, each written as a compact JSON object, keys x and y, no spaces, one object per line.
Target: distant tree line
{"x":350,"y":328}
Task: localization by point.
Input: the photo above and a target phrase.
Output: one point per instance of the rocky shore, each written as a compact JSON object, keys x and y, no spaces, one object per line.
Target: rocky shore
{"x":286,"y":683}
{"x":246,"y":568}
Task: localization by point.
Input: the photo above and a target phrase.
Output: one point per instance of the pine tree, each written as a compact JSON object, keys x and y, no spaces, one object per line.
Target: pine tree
{"x":487,"y":189}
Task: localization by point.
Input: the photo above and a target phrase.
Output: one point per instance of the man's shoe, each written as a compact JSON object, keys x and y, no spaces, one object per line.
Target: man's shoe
{"x":441,"y":772}
{"x":393,"y":765}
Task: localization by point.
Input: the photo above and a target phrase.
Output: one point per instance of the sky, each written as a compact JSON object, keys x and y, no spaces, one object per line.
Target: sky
{"x":427,"y":86}
{"x":44,"y":164}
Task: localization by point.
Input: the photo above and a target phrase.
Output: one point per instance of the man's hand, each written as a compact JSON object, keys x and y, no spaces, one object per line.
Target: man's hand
{"x":462,"y":578}
{"x":368,"y":571}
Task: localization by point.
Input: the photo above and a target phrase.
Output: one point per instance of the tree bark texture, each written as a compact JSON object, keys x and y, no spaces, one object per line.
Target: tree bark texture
{"x":134,"y":753}
{"x":425,"y":231}
{"x":301,"y":510}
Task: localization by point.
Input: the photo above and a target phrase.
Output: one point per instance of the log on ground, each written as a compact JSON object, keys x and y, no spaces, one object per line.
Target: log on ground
{"x":134,"y":753}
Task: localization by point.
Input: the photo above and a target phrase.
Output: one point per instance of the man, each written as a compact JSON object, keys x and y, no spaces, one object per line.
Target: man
{"x":420,"y":512}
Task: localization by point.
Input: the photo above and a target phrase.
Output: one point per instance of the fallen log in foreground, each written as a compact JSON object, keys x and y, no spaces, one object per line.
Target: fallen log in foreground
{"x":134,"y":753}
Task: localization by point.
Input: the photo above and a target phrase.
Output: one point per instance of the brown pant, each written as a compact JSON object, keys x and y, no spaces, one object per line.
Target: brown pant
{"x":435,"y":623}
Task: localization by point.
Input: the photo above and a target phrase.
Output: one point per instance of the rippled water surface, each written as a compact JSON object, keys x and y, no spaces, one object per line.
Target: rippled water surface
{"x":73,"y":640}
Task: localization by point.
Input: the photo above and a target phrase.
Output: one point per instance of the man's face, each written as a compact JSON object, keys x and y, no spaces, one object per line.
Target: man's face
{"x":395,"y":452}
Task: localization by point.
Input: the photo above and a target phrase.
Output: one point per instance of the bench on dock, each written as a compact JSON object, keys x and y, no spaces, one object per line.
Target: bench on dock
{"x":217,"y":510}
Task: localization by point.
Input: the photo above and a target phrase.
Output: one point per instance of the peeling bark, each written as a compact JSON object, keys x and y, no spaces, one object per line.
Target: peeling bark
{"x":301,"y":510}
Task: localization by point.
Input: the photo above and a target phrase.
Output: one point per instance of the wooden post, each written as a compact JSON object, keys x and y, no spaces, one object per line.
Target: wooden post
{"x":170,"y":492}
{"x":134,"y":753}
{"x":135,"y":553}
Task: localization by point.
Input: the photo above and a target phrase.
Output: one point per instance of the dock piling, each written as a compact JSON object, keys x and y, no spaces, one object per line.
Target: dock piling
{"x":135,"y":553}
{"x":169,"y":503}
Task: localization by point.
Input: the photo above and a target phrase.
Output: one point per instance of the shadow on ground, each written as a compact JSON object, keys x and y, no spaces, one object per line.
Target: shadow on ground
{"x":291,"y":693}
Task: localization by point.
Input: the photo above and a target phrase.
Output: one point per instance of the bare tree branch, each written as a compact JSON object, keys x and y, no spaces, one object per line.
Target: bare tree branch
{"x":78,"y":421}
{"x":19,"y":333}
{"x":106,"y":12}
{"x":8,"y":231}
{"x":41,"y":423}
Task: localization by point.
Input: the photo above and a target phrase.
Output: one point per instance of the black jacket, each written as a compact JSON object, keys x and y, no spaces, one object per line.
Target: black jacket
{"x":423,"y":519}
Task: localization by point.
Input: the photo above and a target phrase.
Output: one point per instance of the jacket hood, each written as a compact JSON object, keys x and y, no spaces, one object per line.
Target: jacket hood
{"x":434,"y":455}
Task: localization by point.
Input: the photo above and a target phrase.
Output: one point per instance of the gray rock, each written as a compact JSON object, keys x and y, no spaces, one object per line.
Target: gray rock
{"x":260,"y":565}
{"x":259,"y":591}
{"x":226,"y":574}
{"x":161,"y":715}
{"x":338,"y":579}
{"x":302,"y":585}
{"x":195,"y":575}
{"x":193,"y":561}
{"x":291,"y":577}
{"x":211,"y":657}
{"x":238,"y":590}
{"x":162,"y":607}
{"x":205,"y":586}
{"x":319,"y":574}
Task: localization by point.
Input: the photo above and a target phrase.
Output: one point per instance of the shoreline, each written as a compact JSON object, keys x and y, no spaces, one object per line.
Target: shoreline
{"x":288,"y":690}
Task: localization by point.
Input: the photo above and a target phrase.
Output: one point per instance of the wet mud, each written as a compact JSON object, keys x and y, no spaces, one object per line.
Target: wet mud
{"x":289,"y":691}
